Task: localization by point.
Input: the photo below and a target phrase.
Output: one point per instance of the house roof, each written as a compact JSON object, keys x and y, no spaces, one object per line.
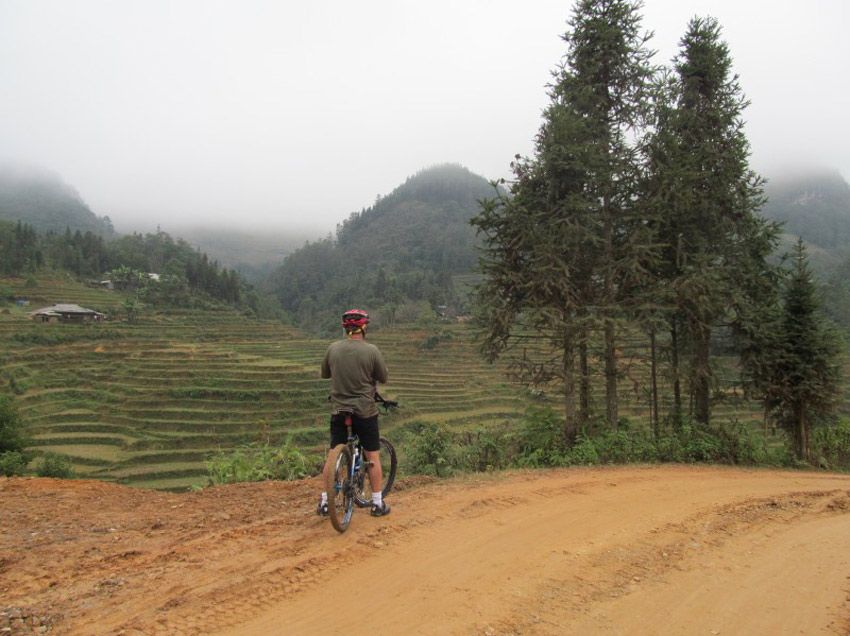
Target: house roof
{"x":64,"y":309}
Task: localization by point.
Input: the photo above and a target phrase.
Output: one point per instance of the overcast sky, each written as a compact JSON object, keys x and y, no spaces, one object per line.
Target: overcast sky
{"x":269,"y":114}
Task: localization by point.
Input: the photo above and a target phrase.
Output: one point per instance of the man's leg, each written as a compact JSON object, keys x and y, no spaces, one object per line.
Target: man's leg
{"x":338,"y":435}
{"x":376,"y":475}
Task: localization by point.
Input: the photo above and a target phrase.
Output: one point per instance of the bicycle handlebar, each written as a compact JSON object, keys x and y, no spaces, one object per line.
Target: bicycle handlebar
{"x":387,"y":404}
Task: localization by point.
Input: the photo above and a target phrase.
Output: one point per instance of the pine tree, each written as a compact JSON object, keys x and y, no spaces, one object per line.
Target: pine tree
{"x":565,"y":252}
{"x":715,"y":245}
{"x":806,"y":381}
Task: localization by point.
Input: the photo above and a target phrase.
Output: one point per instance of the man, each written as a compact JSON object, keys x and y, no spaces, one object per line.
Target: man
{"x":355,"y":367}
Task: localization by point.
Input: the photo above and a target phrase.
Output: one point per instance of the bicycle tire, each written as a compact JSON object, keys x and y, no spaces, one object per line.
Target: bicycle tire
{"x":339,"y":487}
{"x":389,"y":466}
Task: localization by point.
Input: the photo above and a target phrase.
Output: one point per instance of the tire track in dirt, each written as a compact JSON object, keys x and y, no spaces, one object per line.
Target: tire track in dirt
{"x":570,"y":551}
{"x":533,"y":564}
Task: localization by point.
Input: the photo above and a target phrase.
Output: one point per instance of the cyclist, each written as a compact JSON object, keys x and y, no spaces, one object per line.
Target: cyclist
{"x":354,"y":368}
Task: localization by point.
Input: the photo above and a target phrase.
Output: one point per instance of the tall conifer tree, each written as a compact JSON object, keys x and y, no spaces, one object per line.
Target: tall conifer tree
{"x":806,"y":382}
{"x":564,"y":252}
{"x":715,"y":243}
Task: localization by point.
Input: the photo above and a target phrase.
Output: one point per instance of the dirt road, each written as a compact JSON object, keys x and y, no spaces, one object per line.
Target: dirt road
{"x":647,"y":550}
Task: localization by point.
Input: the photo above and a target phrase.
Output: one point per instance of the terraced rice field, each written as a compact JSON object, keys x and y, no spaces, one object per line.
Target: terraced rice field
{"x":147,"y":403}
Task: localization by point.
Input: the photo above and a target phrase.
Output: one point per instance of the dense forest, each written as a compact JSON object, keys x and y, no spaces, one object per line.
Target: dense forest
{"x":182,"y":270}
{"x":396,"y":257}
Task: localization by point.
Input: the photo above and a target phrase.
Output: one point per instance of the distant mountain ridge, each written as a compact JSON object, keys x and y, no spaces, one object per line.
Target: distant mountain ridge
{"x":43,"y":200}
{"x":404,"y":249}
{"x":813,"y":205}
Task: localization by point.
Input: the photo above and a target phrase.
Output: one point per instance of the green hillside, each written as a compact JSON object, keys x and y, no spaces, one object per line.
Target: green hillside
{"x":147,"y":403}
{"x":403,"y":250}
{"x":814,"y":206}
{"x":41,"y":199}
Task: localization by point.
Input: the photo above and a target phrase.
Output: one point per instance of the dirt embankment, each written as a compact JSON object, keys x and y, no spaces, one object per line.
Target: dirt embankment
{"x":648,"y":550}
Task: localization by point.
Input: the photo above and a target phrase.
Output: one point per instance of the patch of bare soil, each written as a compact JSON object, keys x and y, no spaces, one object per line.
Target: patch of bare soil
{"x":634,"y":550}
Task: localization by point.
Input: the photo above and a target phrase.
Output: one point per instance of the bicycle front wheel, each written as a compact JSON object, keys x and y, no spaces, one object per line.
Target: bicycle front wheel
{"x":339,"y":487}
{"x":389,"y":465}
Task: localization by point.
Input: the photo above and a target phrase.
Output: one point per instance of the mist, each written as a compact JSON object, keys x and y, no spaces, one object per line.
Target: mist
{"x":267,"y":116}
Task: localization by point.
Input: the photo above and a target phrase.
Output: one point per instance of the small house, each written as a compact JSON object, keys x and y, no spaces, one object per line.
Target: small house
{"x":66,"y":313}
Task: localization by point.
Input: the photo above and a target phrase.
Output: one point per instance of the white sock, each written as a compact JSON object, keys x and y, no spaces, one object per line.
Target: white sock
{"x":324,"y":497}
{"x":377,"y":498}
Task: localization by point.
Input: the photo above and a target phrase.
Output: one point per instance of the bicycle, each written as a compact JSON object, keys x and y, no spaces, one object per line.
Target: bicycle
{"x":348,"y":479}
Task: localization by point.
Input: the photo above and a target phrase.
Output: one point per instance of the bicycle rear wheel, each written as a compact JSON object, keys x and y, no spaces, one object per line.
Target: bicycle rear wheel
{"x":339,"y":487}
{"x":389,"y":465}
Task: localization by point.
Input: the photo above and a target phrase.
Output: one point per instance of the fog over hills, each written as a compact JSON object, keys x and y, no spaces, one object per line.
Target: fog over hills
{"x":812,"y":204}
{"x":42,"y":199}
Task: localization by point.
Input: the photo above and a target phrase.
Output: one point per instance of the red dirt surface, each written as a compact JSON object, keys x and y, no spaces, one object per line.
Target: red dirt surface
{"x":634,"y":550}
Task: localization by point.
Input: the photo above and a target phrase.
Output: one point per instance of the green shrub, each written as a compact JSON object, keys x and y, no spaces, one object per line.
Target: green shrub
{"x":430,"y":342}
{"x":11,"y":437}
{"x":429,"y":450}
{"x":484,"y":449}
{"x":259,"y":462}
{"x":583,"y":452}
{"x":620,"y":446}
{"x":12,"y":463}
{"x":540,"y":439}
{"x":55,"y":465}
{"x":830,"y":445}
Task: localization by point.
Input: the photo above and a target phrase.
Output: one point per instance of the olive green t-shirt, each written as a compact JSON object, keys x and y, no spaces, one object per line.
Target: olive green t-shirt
{"x":354,"y":367}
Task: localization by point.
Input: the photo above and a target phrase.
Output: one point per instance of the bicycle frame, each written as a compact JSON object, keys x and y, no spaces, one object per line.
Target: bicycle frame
{"x":347,"y":472}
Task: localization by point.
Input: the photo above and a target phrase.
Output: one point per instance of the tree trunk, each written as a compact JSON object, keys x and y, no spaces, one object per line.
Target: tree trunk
{"x":611,"y":405}
{"x":801,"y":434}
{"x":653,"y":370}
{"x":584,"y":384}
{"x":677,"y":383}
{"x":570,"y":423}
{"x":702,"y":375}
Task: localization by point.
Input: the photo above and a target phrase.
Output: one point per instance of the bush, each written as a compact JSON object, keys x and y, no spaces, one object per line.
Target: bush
{"x":429,"y":452}
{"x":620,"y":446}
{"x":55,"y":465}
{"x":830,"y":445}
{"x":12,"y":463}
{"x":258,"y":462}
{"x":540,"y":440}
{"x":430,"y":342}
{"x":11,"y":437}
{"x":485,"y":449}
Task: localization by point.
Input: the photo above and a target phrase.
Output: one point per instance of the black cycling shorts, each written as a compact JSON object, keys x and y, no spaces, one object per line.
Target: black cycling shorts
{"x":366,"y":428}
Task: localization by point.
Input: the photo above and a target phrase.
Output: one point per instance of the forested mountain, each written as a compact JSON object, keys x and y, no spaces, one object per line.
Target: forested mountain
{"x":42,"y":200}
{"x":186,"y":276}
{"x":812,"y":205}
{"x":815,"y":206}
{"x":402,"y":250}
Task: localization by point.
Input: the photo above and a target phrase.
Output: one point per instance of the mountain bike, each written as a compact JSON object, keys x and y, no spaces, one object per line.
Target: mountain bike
{"x":348,"y":473}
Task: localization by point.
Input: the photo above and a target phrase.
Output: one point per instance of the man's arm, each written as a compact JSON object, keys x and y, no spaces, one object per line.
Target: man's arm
{"x":379,"y":369}
{"x":326,"y":365}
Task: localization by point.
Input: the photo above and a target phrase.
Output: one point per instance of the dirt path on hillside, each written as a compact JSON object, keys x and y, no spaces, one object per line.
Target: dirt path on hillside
{"x":654,"y":550}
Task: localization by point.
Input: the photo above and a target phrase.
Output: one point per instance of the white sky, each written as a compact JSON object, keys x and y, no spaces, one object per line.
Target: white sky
{"x":263,"y":113}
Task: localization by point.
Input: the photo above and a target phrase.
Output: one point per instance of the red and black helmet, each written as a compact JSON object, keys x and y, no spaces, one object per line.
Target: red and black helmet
{"x":355,"y":319}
